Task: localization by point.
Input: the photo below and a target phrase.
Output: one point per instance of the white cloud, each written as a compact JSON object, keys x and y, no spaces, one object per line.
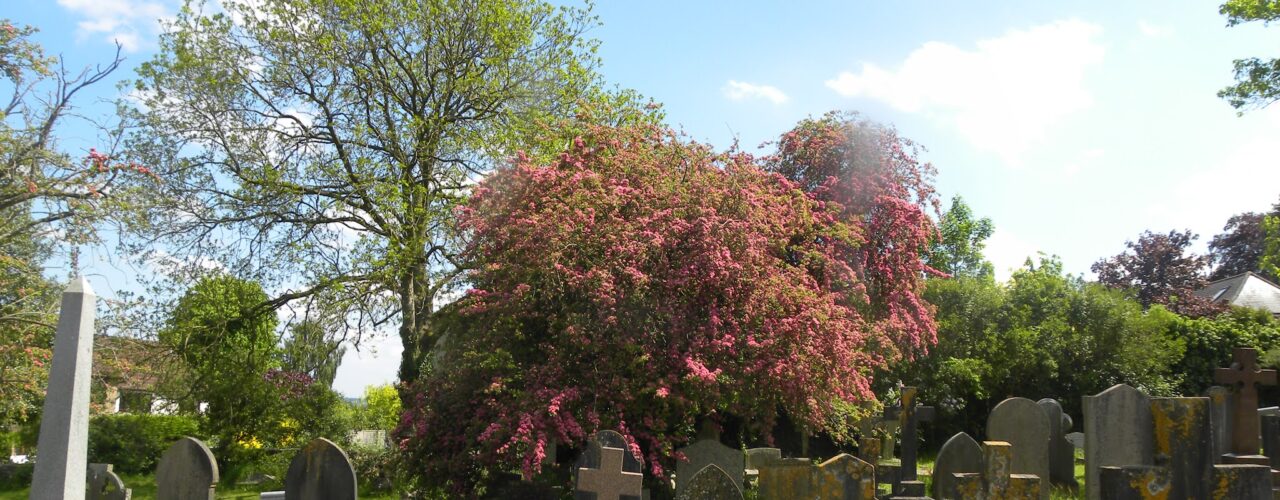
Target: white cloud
{"x":125,"y":22}
{"x":1151,"y":30}
{"x":1007,"y":252}
{"x":1002,"y":96}
{"x":741,"y":91}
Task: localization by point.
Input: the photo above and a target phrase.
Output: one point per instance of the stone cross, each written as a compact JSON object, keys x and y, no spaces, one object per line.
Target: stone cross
{"x":610,"y":482}
{"x":1245,"y":375}
{"x":64,"y":427}
{"x":909,"y":415}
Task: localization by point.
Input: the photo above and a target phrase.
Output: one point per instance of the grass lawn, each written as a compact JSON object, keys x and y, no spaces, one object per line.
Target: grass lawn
{"x":144,"y":487}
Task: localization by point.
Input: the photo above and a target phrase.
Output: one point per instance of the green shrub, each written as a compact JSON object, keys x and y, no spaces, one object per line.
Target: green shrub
{"x":15,"y":476}
{"x":134,"y":443}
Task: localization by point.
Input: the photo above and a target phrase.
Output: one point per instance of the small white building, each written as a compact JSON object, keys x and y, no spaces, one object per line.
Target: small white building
{"x":1244,"y":290}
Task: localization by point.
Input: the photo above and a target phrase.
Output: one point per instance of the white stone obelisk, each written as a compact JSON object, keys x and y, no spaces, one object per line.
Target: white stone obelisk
{"x":61,"y":452}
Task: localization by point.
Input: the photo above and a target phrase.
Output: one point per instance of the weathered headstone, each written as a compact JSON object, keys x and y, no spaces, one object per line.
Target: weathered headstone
{"x":869,"y":449}
{"x":845,"y":477}
{"x":1219,"y":420}
{"x":609,"y":480}
{"x":1241,"y":481}
{"x":1062,"y":456}
{"x":709,"y":451}
{"x":711,"y":483}
{"x":786,"y":478}
{"x":320,"y":470}
{"x":186,"y":471}
{"x":104,"y":484}
{"x":1245,"y":377}
{"x":1134,"y":482}
{"x":64,"y":425}
{"x":759,"y":456}
{"x":1025,"y":426}
{"x":960,"y":454}
{"x":1117,"y":432}
{"x":593,"y":454}
{"x":996,"y":480}
{"x":1271,"y":439}
{"x":1181,"y":442}
{"x":1075,"y":438}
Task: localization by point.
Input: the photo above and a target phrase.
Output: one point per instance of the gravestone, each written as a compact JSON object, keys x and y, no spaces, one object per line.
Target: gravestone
{"x":759,"y":456}
{"x":908,"y":414}
{"x":869,"y":449}
{"x":609,"y":480}
{"x":960,"y":454}
{"x":1242,"y":481}
{"x":186,"y":471}
{"x":708,"y":451}
{"x":104,"y":484}
{"x":1219,"y":419}
{"x":1117,"y":432}
{"x":320,"y":470}
{"x":1271,"y":439}
{"x":711,"y":483}
{"x":786,"y":478}
{"x":1062,"y":456}
{"x":593,"y":453}
{"x":996,"y":480}
{"x":1075,"y":438}
{"x":1025,"y":426}
{"x":64,"y":425}
{"x":1182,"y":443}
{"x":1245,"y":377}
{"x":845,"y":477}
{"x":1134,"y":482}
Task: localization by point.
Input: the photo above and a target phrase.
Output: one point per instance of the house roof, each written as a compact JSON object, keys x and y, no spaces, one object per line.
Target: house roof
{"x":1244,"y":290}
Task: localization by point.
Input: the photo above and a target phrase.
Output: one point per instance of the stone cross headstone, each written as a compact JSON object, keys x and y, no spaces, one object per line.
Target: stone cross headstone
{"x":711,"y":483}
{"x":1025,"y":426}
{"x":63,"y":444}
{"x":609,"y":481}
{"x":1182,"y":443}
{"x":186,"y":471}
{"x":909,"y":415}
{"x":320,"y":470}
{"x":593,"y":453}
{"x":707,"y":451}
{"x":104,"y":484}
{"x":960,"y":454}
{"x":1220,"y":419}
{"x":1134,"y":482}
{"x":996,"y":479}
{"x":1243,"y":481}
{"x":846,"y":477}
{"x":1117,"y":432}
{"x":1244,"y":375}
{"x":1062,"y":456}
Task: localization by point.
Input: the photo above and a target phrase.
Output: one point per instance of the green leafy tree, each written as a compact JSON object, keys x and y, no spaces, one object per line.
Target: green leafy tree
{"x":957,"y":250}
{"x":334,"y":138}
{"x":381,"y":408}
{"x":228,"y":346}
{"x":1257,"y":80}
{"x":311,"y":349}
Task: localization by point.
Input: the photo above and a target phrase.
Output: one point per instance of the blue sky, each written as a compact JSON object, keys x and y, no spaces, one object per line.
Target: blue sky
{"x":1074,"y":126}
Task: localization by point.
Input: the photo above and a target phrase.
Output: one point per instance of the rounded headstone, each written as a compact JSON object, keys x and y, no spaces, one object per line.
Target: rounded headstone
{"x":960,"y":454}
{"x":1023,"y":424}
{"x":320,"y":470}
{"x":186,"y":471}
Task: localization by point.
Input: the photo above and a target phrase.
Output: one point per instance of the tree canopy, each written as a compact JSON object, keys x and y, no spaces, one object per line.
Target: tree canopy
{"x":957,"y":251}
{"x":1257,"y":80}
{"x":1161,"y":270}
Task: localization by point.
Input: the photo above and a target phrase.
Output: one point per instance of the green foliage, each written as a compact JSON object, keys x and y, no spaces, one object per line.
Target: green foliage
{"x":1257,"y":80}
{"x":1210,"y":341}
{"x":311,"y":349}
{"x":134,"y":443}
{"x":381,"y":408}
{"x":1270,"y":262}
{"x":957,"y":250}
{"x":1043,"y":334}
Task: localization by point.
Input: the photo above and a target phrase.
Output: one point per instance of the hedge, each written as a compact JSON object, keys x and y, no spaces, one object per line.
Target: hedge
{"x":134,"y":443}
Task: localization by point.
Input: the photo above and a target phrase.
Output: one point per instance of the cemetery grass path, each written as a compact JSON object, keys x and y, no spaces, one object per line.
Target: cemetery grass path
{"x":144,"y":488}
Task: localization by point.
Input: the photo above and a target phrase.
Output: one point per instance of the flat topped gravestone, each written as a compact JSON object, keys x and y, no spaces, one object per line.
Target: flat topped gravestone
{"x":1245,"y":375}
{"x":1117,"y":432}
{"x":64,"y":425}
{"x":592,"y":475}
{"x":960,"y":454}
{"x":1182,"y":443}
{"x":711,"y":483}
{"x":1220,"y":419}
{"x":320,"y":470}
{"x":708,"y":450}
{"x":186,"y":471}
{"x":104,"y":484}
{"x":1025,"y":426}
{"x":997,"y":479}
